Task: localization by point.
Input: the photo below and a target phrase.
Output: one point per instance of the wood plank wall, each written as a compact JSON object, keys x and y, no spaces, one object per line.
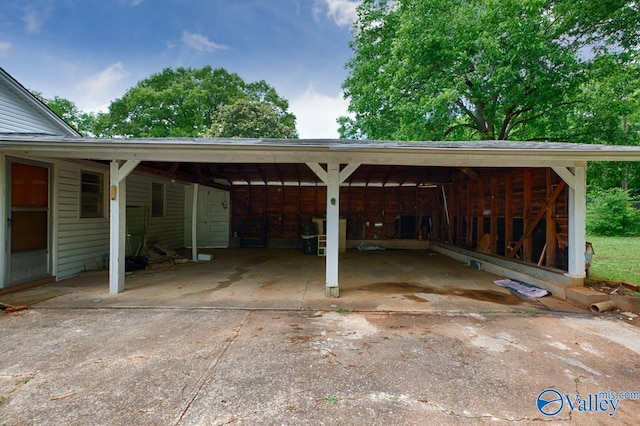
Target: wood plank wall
{"x":496,"y":207}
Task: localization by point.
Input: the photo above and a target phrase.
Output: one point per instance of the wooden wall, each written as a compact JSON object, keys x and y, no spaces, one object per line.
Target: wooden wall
{"x":371,"y":212}
{"x":488,"y":211}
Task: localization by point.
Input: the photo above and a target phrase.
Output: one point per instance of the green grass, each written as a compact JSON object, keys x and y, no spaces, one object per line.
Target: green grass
{"x":332,"y":399}
{"x":615,"y":259}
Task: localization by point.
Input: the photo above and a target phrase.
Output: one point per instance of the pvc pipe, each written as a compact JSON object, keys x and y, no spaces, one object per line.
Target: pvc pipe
{"x":607,"y":305}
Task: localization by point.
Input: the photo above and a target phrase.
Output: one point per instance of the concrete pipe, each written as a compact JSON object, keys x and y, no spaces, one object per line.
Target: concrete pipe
{"x":607,"y":305}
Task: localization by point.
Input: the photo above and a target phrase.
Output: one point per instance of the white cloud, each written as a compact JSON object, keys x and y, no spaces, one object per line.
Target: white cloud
{"x":316,"y":114}
{"x":4,"y":47}
{"x":200,"y":42}
{"x":35,"y":16}
{"x":343,"y":12}
{"x":96,"y":92}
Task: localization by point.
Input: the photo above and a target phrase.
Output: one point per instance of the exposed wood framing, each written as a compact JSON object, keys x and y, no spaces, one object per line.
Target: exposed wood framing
{"x":532,"y":225}
{"x":550,"y":222}
{"x":494,"y":214}
{"x":525,"y":242}
{"x":508,"y":215}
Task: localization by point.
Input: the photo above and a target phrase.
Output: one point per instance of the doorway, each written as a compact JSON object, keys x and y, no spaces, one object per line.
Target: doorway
{"x":212,"y":229}
{"x":28,"y":221}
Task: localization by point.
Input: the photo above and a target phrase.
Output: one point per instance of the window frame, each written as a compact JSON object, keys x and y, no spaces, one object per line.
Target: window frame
{"x":100,"y":196}
{"x":155,"y":203}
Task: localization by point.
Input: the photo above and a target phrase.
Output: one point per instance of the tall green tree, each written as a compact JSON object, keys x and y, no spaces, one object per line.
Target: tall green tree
{"x":181,"y":102}
{"x":480,"y":69}
{"x":67,"y":110}
{"x":247,"y":118}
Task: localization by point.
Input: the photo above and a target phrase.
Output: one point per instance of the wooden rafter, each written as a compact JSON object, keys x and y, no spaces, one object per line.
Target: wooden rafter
{"x":537,"y":219}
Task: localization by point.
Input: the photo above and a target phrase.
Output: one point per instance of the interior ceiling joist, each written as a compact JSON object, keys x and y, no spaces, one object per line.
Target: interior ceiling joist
{"x":239,"y":174}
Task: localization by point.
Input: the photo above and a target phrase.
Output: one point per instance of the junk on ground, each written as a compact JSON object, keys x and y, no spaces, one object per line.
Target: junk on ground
{"x":522,"y":288}
{"x":309,"y":238}
{"x":474,"y":264}
{"x":153,"y":256}
{"x":369,"y":247}
{"x":12,"y":308}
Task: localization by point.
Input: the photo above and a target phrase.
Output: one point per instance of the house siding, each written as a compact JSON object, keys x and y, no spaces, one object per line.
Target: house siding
{"x":81,"y":240}
{"x":18,"y":116}
{"x":78,"y":239}
{"x":167,"y":230}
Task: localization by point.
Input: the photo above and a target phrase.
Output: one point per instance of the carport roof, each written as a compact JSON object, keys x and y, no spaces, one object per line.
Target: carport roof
{"x":279,"y":161}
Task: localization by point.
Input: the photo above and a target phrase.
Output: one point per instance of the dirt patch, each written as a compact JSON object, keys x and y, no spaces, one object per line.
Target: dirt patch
{"x":233,"y":278}
{"x":396,"y":287}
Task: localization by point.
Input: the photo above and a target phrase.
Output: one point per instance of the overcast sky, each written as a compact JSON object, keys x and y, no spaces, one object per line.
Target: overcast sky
{"x":92,"y":51}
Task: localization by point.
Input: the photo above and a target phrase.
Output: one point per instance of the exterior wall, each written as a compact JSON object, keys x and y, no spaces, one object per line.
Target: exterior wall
{"x":169,"y":229}
{"x":81,"y":240}
{"x":78,"y":239}
{"x":18,"y":116}
{"x":491,"y":212}
{"x":371,"y":212}
{"x":487,"y":210}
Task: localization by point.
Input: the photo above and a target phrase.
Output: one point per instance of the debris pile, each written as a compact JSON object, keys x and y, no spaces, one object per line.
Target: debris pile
{"x":615,"y":287}
{"x":11,"y":308}
{"x":154,"y":256}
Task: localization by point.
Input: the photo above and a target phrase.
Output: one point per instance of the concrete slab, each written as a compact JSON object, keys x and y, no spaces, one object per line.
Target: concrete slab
{"x":392,"y":280}
{"x":191,"y":367}
{"x":585,"y":296}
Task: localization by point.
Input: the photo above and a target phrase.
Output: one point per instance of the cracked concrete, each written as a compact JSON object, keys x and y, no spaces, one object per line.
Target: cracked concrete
{"x":428,"y":344}
{"x":194,"y":367}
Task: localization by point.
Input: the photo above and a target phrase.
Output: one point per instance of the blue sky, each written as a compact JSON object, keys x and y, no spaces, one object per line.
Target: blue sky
{"x":92,"y":51}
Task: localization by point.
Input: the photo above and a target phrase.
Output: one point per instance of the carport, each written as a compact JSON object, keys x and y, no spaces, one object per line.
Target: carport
{"x":485,"y":200}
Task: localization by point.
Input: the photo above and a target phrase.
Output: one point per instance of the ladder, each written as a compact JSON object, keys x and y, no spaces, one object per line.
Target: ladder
{"x":322,"y":245}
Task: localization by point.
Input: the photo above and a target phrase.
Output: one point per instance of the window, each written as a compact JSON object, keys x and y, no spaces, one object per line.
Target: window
{"x":91,"y":195}
{"x":157,"y":199}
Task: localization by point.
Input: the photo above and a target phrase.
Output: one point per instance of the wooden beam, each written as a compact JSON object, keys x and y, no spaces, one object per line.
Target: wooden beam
{"x":480,"y":212}
{"x":566,"y":175}
{"x":508,"y":211}
{"x":348,"y":171}
{"x":319,"y":171}
{"x":493,"y":219}
{"x":469,"y":215}
{"x":183,"y":177}
{"x":537,"y":219}
{"x":470,"y":172}
{"x":550,"y":222}
{"x":527,"y":245}
{"x":174,"y":168}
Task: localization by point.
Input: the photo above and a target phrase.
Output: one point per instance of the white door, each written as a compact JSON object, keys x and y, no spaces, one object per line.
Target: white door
{"x":212,"y":228}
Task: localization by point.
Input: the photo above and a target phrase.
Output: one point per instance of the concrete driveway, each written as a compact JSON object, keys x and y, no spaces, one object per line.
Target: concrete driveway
{"x":173,"y":349}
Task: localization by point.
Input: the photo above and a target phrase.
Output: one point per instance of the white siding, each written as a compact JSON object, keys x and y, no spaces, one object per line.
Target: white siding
{"x":84,"y":239}
{"x":19,"y":116}
{"x":78,"y":239}
{"x":169,"y":229}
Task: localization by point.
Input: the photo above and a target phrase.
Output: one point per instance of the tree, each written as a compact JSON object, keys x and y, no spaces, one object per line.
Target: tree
{"x":69,"y":112}
{"x":181,"y":103}
{"x":479,"y":69}
{"x":247,"y":118}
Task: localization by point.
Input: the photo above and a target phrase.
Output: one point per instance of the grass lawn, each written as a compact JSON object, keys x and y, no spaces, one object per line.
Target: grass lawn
{"x":615,"y":259}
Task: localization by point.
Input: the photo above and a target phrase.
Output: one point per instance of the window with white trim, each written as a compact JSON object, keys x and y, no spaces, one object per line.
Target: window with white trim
{"x":158,"y":193}
{"x":92,"y":196}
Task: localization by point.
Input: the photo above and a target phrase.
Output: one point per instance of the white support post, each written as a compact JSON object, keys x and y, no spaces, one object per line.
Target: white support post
{"x":118,"y":219}
{"x":333,"y":178}
{"x":333,"y":229}
{"x":577,"y":224}
{"x":577,"y":182}
{"x":194,"y":222}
